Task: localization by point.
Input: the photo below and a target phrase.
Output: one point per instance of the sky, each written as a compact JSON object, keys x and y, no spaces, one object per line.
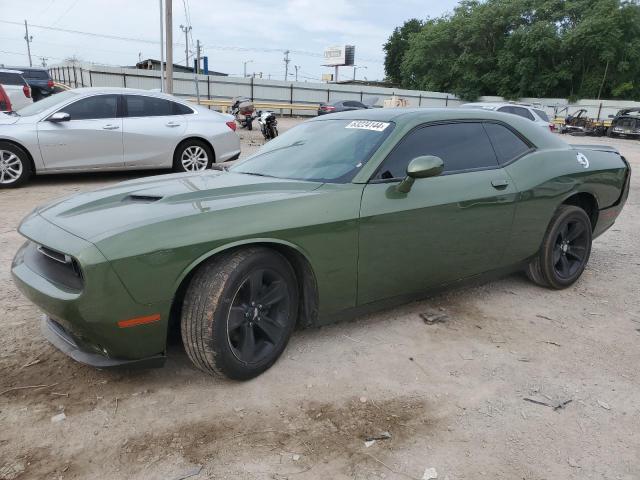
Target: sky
{"x":231,"y":32}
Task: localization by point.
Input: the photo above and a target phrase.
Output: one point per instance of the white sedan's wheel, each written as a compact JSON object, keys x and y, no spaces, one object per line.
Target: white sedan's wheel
{"x":193,"y":156}
{"x":14,"y":166}
{"x":194,"y":159}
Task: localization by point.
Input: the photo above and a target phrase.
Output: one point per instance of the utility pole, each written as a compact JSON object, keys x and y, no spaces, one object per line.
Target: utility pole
{"x":28,"y":39}
{"x":296,"y":67}
{"x":198,"y":56}
{"x":44,"y":61}
{"x":286,"y":64}
{"x":161,"y":49}
{"x":244,"y":74}
{"x":186,"y":31}
{"x":169,"y":30}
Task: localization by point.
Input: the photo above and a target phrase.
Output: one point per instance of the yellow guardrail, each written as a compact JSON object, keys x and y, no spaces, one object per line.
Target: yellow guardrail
{"x":225,"y":105}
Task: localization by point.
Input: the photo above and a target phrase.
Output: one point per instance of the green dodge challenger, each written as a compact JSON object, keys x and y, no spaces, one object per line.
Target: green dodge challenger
{"x":342,"y":214}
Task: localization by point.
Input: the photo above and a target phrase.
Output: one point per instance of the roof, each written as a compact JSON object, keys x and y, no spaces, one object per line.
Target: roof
{"x":414,"y":114}
{"x":122,"y":90}
{"x":28,"y":68}
{"x":5,"y":70}
{"x":408,"y":118}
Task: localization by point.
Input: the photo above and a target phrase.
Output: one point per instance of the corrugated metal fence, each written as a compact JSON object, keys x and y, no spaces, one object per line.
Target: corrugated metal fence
{"x":260,"y":89}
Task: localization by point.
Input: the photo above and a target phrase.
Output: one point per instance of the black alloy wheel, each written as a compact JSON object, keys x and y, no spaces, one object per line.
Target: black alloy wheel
{"x":571,"y":248}
{"x":239,"y":311}
{"x":565,"y":249}
{"x":258,"y":317}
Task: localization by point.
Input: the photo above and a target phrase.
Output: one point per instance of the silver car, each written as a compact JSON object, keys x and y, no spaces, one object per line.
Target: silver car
{"x":102,"y":129}
{"x":536,"y":115}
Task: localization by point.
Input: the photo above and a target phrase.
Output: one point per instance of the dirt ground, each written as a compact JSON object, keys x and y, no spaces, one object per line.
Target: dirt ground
{"x":451,"y":395}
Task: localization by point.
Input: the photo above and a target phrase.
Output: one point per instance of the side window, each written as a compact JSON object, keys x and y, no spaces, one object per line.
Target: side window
{"x":179,"y":109}
{"x":506,"y":109}
{"x":506,"y":143}
{"x":523,"y":112}
{"x":461,"y":146}
{"x":93,"y":108}
{"x":142,"y":106}
{"x":353,"y":104}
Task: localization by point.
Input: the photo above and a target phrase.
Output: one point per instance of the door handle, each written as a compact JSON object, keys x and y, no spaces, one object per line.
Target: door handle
{"x":500,"y":183}
{"x":110,"y":126}
{"x":173,"y":124}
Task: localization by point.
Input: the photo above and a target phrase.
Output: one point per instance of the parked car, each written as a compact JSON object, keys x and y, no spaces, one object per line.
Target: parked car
{"x":536,"y":115}
{"x":100,"y":129}
{"x":400,"y":202}
{"x":16,"y":88}
{"x":5,"y":101}
{"x":625,"y":123}
{"x":341,"y":106}
{"x":39,"y":81}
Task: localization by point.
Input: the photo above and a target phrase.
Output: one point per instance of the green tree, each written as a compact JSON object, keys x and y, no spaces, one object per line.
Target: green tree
{"x":526,"y":48}
{"x":396,"y":46}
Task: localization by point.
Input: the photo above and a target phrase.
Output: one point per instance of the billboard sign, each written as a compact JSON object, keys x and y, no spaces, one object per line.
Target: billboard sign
{"x":339,"y":56}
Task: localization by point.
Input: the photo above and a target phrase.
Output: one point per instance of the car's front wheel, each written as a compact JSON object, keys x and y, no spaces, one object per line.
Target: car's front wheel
{"x":192,"y":156}
{"x":565,"y":249}
{"x":239,"y":311}
{"x":15,"y":167}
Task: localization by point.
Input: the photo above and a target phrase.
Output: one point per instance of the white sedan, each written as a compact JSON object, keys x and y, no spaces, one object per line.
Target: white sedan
{"x":103,"y":129}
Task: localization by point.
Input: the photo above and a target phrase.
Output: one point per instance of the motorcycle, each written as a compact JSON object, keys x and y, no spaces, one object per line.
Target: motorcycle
{"x":268,"y":125}
{"x":242,"y":108}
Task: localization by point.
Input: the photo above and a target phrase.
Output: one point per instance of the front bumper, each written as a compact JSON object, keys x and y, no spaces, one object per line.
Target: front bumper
{"x":89,"y":315}
{"x":64,"y":341}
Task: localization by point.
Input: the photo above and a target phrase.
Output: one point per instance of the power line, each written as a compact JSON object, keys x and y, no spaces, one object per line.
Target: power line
{"x":153,"y":42}
{"x":73,"y":4}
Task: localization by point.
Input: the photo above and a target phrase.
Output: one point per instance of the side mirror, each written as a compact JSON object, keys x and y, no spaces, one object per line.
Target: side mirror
{"x":59,"y":117}
{"x":611,"y":116}
{"x":421,"y":167}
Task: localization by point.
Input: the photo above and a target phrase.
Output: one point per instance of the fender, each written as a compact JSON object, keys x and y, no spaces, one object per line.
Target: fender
{"x":227,"y":246}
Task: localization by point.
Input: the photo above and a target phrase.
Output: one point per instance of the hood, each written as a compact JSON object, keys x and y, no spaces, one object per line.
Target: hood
{"x":96,"y":215}
{"x":6,"y":119}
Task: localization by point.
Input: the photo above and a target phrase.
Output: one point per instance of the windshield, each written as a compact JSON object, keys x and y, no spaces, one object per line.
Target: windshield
{"x":44,"y":104}
{"x":330,"y":151}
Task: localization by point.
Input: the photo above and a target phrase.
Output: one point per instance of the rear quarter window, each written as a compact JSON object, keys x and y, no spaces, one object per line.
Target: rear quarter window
{"x":541,"y":114}
{"x":507,"y":145}
{"x":11,"y":79}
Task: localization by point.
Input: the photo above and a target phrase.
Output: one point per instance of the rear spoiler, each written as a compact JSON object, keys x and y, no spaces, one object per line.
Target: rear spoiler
{"x":596,"y":147}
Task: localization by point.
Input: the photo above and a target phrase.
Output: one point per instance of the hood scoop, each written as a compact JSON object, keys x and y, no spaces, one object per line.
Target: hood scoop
{"x":141,"y":198}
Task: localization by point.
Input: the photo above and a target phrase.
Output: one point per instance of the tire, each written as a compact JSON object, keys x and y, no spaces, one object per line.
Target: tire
{"x":610,"y":132}
{"x":238,"y":313}
{"x":249,"y":124}
{"x":15,"y":166}
{"x":565,"y":250}
{"x":192,"y":155}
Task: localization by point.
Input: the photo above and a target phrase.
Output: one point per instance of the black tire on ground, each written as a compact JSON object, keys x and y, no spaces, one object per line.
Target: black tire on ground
{"x":565,"y":249}
{"x":15,"y":166}
{"x":239,"y":311}
{"x":249,"y":124}
{"x":610,"y":132}
{"x":192,"y":143}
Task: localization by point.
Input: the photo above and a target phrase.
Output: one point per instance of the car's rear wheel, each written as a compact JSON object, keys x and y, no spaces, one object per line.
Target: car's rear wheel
{"x":565,"y":249}
{"x":192,"y":156}
{"x":239,"y":311}
{"x":15,"y":166}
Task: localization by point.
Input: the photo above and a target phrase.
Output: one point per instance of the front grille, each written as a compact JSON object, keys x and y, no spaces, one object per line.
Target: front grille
{"x":55,"y":266}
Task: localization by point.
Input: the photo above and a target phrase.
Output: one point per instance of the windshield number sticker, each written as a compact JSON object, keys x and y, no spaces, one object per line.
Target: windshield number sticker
{"x":368,"y":125}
